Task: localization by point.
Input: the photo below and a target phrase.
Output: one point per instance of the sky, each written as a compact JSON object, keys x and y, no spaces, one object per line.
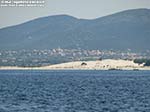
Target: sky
{"x":87,"y":9}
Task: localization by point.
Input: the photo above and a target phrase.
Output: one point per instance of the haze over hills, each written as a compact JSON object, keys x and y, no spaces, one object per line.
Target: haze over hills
{"x":121,"y":31}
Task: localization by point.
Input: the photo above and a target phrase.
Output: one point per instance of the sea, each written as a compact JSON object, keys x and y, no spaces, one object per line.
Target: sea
{"x":74,"y":91}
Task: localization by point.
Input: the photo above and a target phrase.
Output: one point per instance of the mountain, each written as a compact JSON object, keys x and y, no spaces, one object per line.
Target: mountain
{"x":129,"y":29}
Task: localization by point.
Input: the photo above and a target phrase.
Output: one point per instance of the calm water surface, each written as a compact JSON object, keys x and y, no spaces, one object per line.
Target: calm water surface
{"x":74,"y":91}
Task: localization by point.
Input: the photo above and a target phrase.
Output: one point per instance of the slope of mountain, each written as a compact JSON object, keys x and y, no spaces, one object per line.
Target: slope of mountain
{"x":121,"y":31}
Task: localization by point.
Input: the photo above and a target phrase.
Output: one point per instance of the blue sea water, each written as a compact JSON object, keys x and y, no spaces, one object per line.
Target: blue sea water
{"x":74,"y":91}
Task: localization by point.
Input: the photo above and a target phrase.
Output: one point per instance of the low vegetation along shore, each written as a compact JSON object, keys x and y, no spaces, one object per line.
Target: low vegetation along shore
{"x":107,"y":64}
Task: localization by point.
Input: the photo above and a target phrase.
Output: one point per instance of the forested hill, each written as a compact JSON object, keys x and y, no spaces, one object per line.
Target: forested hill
{"x":129,"y":29}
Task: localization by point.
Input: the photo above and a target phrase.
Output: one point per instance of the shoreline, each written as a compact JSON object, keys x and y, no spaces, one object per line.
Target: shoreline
{"x":107,"y":64}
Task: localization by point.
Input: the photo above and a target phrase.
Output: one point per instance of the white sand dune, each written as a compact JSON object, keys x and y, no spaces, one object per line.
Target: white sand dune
{"x":106,"y":64}
{"x":102,"y":65}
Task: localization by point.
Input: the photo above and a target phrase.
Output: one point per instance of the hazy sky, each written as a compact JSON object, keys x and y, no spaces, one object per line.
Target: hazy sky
{"x":78,"y":8}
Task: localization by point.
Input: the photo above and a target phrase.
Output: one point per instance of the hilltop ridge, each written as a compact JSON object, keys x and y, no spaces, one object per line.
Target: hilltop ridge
{"x":124,"y":30}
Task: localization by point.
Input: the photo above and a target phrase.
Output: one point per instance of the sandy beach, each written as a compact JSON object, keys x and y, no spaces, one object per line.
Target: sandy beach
{"x":107,"y":64}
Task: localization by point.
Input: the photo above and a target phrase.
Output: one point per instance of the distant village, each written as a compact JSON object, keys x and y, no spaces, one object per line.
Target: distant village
{"x":35,"y":57}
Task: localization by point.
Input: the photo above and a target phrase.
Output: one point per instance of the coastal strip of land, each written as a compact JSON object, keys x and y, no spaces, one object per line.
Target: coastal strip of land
{"x":106,"y":64}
